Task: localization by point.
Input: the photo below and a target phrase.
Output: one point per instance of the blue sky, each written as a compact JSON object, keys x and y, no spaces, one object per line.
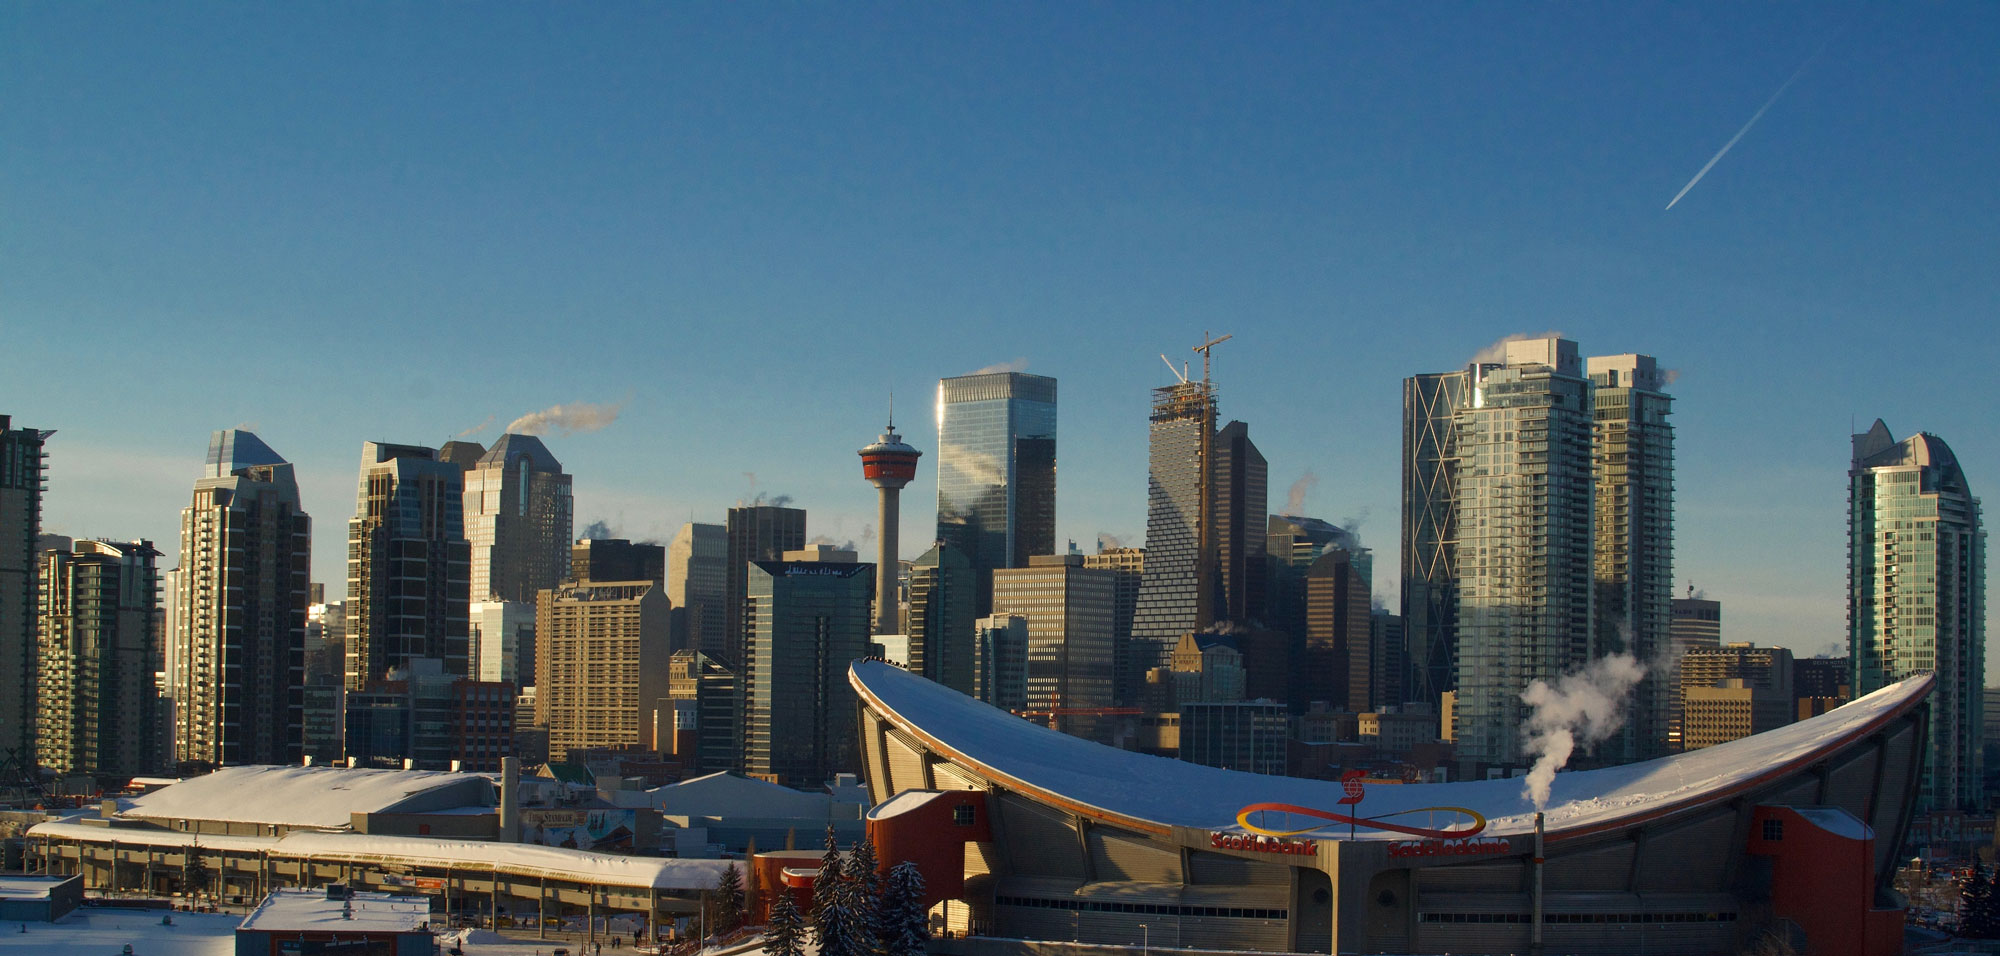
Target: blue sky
{"x":748,"y":223}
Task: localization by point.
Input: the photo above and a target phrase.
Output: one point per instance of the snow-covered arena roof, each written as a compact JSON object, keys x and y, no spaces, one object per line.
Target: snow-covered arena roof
{"x":308,"y":796}
{"x":1155,"y":792}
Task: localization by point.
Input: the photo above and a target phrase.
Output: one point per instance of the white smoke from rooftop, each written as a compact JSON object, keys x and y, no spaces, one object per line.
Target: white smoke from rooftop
{"x":1295,"y":499}
{"x":1583,"y":708}
{"x":1017,"y":365}
{"x":1497,"y":352}
{"x":1107,"y":541}
{"x":476,"y":429}
{"x":566,"y":419}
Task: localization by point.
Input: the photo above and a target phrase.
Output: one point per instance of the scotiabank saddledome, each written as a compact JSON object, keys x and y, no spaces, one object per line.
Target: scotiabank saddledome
{"x":1031,"y":834}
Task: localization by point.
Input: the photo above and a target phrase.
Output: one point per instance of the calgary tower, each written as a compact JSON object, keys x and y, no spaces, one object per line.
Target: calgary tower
{"x":888,"y":465}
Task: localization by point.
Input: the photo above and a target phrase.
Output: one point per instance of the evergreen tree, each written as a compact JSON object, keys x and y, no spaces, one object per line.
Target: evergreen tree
{"x":788,"y":931}
{"x":827,"y":890}
{"x":728,"y":901}
{"x":838,"y":932}
{"x":865,"y":896}
{"x":905,"y":926}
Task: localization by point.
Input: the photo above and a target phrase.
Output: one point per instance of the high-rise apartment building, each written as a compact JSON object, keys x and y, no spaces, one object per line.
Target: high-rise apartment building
{"x":1916,"y":586}
{"x":601,"y":674}
{"x":1696,"y":624}
{"x":754,"y":533}
{"x":806,"y":622}
{"x":245,"y":574}
{"x":23,"y":464}
{"x":409,"y":565}
{"x":1430,"y":528}
{"x":943,"y":587}
{"x":997,"y":471}
{"x":1069,"y":609}
{"x":99,"y":645}
{"x":518,"y":517}
{"x":1632,"y":462}
{"x":698,"y":585}
{"x":1175,"y":596}
{"x":1388,"y":658}
{"x":1524,"y":506}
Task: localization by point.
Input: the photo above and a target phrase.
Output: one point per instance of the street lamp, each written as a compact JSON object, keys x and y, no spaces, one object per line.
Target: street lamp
{"x":1145,"y":941}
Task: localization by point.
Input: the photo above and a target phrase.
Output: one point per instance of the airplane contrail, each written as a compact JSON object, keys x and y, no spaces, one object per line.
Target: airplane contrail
{"x":1712,"y":160}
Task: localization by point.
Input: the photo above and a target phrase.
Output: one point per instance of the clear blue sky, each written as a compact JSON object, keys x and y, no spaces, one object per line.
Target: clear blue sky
{"x":749,"y":222}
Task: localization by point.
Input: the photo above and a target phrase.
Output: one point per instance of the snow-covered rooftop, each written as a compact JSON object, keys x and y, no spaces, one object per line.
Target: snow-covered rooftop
{"x":30,"y":887}
{"x":1164,"y":791}
{"x":520,"y":858}
{"x":303,"y":796}
{"x":286,"y":911}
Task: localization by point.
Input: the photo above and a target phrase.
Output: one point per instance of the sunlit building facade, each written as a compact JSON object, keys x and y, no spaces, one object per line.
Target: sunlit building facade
{"x":1069,"y":609}
{"x":1916,"y":576}
{"x":1171,"y":600}
{"x":997,"y":471}
{"x":518,"y":518}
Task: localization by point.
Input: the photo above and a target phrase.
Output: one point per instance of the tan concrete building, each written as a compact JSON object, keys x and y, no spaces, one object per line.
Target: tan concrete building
{"x":602,"y":671}
{"x":1732,"y":692}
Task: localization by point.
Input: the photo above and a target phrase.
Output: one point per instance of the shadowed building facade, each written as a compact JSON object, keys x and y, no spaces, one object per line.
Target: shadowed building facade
{"x":245,"y":572}
{"x":23,"y":465}
{"x":100,"y":639}
{"x":1632,"y":461}
{"x":806,"y":622}
{"x":409,"y":565}
{"x":755,"y":533}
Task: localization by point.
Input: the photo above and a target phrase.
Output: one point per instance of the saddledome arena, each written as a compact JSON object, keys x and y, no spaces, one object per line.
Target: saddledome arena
{"x":1027,"y":834}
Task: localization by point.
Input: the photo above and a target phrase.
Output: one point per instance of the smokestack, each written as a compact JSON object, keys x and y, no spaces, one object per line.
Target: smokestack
{"x":1535,"y":946}
{"x":888,"y":465}
{"x":510,"y":800}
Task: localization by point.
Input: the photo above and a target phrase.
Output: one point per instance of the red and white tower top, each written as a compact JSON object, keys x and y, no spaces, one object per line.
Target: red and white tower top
{"x":889,"y":463}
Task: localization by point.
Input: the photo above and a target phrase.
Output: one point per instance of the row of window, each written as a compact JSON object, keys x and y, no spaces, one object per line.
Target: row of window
{"x":1147,"y":909}
{"x":1572,"y":918}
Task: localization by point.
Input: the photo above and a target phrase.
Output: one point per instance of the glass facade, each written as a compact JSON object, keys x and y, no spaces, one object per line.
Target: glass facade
{"x":1430,"y":528}
{"x":997,"y":471}
{"x":518,"y":516}
{"x":1916,"y":571}
{"x":1633,"y":469}
{"x":1169,"y":592}
{"x":1524,"y":510}
{"x":409,"y":565}
{"x":806,"y":621}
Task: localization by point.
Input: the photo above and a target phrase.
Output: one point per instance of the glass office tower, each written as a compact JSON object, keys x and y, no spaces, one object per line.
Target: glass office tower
{"x":1916,"y":580}
{"x":997,"y":471}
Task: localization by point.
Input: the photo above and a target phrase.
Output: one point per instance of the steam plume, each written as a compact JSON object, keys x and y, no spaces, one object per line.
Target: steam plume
{"x":566,"y":419}
{"x":1583,"y":707}
{"x":599,"y":529}
{"x":1017,"y":365}
{"x":1107,"y":541}
{"x":476,"y":429}
{"x":1295,"y":499}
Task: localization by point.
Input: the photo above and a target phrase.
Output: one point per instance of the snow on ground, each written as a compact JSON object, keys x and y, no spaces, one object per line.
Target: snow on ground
{"x":93,"y":930}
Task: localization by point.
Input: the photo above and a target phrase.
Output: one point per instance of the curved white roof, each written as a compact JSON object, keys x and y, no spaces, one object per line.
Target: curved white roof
{"x":1162,"y":791}
{"x":297,"y":796}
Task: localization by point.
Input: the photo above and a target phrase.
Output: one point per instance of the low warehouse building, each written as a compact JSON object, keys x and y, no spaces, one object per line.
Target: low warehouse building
{"x":1025,"y":834}
{"x":335,"y":920}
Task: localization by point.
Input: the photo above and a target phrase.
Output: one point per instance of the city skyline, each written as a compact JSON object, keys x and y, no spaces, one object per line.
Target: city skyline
{"x":1353,"y":216}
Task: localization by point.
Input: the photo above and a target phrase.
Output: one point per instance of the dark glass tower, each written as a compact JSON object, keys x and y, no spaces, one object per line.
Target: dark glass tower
{"x":806,"y":621}
{"x":1430,"y":528}
{"x":997,"y":471}
{"x":409,"y":565}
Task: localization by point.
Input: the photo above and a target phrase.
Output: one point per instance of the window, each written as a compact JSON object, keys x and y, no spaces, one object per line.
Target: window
{"x":1774,"y":829}
{"x":962,"y":815}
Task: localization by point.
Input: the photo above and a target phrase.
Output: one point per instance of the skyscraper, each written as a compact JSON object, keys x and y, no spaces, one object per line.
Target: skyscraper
{"x":22,"y":466}
{"x":616,"y":559}
{"x":1174,"y":593}
{"x":698,"y":585}
{"x":501,"y":642}
{"x":245,"y":572}
{"x":940,"y":628}
{"x":1696,"y":624}
{"x":1430,"y":528}
{"x":1069,"y":609}
{"x":409,"y":565}
{"x":807,"y":620}
{"x":603,"y":667}
{"x":518,"y":517}
{"x":1524,"y":507}
{"x":1337,"y":665}
{"x":755,"y":533}
{"x":1241,"y":496}
{"x":1633,"y":474}
{"x":1128,"y":567}
{"x":1916,"y":586}
{"x":100,"y":641}
{"x":997,"y":471}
